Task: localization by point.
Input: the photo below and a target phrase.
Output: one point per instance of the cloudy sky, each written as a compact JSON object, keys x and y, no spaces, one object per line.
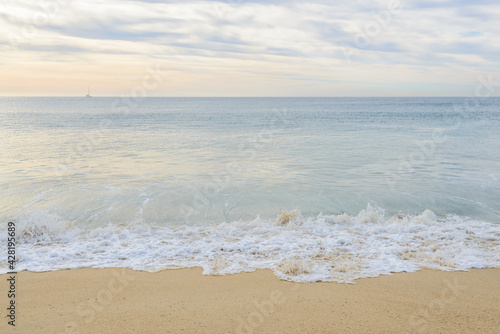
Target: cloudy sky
{"x":249,"y":48}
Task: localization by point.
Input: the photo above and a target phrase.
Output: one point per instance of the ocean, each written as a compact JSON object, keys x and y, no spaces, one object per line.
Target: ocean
{"x":315,"y":189}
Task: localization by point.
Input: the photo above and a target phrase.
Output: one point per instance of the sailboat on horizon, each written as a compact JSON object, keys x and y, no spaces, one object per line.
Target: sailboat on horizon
{"x":88,"y":93}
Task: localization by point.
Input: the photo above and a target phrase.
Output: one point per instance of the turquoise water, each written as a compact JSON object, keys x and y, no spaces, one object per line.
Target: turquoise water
{"x":205,"y":160}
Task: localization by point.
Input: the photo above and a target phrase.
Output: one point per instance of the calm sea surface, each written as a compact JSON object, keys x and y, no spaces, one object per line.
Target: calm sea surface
{"x":197,"y":160}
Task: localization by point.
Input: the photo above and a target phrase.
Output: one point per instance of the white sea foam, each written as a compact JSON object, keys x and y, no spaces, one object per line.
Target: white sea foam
{"x":337,"y":248}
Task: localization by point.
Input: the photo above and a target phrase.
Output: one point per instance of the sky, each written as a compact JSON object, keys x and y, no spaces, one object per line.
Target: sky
{"x":249,"y":48}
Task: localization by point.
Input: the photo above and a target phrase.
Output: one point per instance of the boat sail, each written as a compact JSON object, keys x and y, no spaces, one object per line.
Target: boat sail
{"x":88,"y":93}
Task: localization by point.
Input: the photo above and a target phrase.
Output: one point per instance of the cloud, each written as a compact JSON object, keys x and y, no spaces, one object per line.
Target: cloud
{"x":242,"y":47}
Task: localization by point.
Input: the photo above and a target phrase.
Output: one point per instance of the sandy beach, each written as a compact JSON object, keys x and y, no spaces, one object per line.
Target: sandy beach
{"x":185,"y":301}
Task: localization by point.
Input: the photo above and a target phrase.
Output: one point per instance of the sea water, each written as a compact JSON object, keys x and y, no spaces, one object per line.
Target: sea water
{"x":315,"y":189}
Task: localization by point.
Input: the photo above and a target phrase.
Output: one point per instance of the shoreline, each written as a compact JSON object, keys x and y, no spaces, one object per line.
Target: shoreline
{"x":120,"y":300}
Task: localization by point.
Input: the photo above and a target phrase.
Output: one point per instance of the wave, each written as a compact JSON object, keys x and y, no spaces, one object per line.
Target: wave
{"x":338,"y":248}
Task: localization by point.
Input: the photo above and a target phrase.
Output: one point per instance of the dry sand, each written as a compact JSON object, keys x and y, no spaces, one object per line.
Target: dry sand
{"x":185,"y":301}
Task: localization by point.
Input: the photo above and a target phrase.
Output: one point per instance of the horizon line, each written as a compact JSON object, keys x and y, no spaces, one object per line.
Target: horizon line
{"x":253,"y":97}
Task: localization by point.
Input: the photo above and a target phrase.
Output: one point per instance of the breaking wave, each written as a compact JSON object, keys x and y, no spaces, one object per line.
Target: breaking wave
{"x":338,"y":248}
